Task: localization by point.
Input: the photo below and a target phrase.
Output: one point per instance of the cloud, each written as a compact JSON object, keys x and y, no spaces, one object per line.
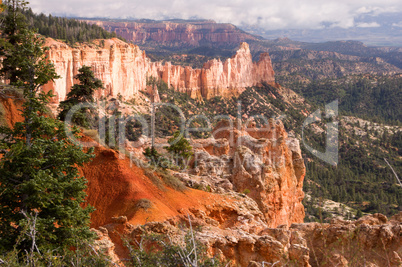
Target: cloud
{"x":284,"y":14}
{"x":399,"y":24}
{"x":368,"y":25}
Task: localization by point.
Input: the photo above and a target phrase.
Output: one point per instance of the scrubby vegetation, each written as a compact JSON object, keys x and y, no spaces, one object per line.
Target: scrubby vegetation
{"x":362,"y":178}
{"x":160,"y":250}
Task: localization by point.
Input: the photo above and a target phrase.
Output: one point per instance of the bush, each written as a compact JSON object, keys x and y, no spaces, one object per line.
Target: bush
{"x":180,"y":148}
{"x":143,"y":204}
{"x":171,"y":180}
{"x":84,"y":254}
{"x":159,"y":250}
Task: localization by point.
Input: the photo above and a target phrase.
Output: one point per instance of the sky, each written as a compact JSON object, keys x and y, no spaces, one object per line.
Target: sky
{"x":267,"y":14}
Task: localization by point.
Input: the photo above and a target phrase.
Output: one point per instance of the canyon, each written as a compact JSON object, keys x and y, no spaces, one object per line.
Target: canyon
{"x":124,"y":69}
{"x":308,"y":60}
{"x":249,"y":181}
{"x":241,"y":194}
{"x":248,"y":210}
{"x":255,"y":228}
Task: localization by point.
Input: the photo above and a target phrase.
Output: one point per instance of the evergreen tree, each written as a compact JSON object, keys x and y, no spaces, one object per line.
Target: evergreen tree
{"x":180,"y":148}
{"x":38,"y":166}
{"x":81,"y":93}
{"x":13,"y":22}
{"x":69,"y":30}
{"x":152,"y":154}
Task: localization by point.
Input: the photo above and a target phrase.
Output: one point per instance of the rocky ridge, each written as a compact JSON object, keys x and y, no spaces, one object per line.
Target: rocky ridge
{"x":177,"y":33}
{"x":254,"y":177}
{"x":337,"y":58}
{"x":124,"y":70}
{"x":245,"y":240}
{"x":308,"y":65}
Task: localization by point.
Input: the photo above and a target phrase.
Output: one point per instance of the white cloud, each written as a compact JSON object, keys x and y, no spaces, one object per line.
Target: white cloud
{"x":377,"y":10}
{"x":284,"y":14}
{"x":368,"y":25}
{"x":399,"y":24}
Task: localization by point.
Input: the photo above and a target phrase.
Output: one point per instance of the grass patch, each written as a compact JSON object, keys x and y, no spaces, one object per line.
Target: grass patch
{"x":171,"y":180}
{"x":167,"y":179}
{"x":92,"y":134}
{"x":154,"y":178}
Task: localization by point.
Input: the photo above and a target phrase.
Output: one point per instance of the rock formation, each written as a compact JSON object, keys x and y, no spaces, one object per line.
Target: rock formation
{"x":233,"y":226}
{"x":124,"y":69}
{"x":171,"y":33}
{"x":263,"y":163}
{"x":244,"y":239}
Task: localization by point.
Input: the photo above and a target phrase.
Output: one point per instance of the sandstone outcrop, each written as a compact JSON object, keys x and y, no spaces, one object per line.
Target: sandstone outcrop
{"x":369,"y":241}
{"x":263,"y":163}
{"x":244,"y":239}
{"x":124,"y":69}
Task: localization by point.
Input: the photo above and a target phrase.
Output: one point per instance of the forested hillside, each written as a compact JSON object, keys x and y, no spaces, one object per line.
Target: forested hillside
{"x":371,"y":97}
{"x":66,"y":29}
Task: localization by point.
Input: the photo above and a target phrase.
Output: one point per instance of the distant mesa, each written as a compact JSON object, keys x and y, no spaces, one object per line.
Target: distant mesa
{"x":177,"y":32}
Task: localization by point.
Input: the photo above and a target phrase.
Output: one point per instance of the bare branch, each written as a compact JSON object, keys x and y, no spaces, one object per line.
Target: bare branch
{"x":393,"y":171}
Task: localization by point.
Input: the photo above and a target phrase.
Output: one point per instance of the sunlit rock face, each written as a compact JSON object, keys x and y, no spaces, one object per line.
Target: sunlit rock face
{"x":124,"y":69}
{"x":263,"y":163}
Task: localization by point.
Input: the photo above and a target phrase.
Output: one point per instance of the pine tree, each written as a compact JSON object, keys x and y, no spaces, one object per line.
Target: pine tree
{"x":180,"y":148}
{"x":38,"y":162}
{"x":13,"y":22}
{"x":81,"y":93}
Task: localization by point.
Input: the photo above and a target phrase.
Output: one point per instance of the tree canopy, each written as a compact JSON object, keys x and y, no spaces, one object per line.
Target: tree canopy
{"x":81,"y":92}
{"x":38,"y":162}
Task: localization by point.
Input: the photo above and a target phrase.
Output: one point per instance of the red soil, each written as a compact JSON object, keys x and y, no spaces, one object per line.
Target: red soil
{"x":114,"y":187}
{"x":12,"y":109}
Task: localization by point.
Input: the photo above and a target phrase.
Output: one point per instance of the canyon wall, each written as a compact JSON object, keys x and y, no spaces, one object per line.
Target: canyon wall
{"x":177,"y":33}
{"x":124,"y":69}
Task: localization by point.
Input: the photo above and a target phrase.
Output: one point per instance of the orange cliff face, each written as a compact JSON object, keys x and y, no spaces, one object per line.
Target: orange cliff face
{"x":124,"y":69}
{"x":263,"y":161}
{"x":172,"y":33}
